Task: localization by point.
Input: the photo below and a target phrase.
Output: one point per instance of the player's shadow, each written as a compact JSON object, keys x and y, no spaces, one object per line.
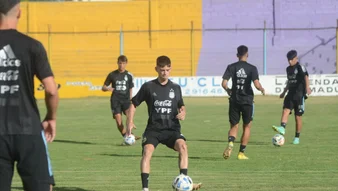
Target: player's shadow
{"x":154,"y":156}
{"x":225,"y":141}
{"x":58,"y":189}
{"x":74,"y":142}
{"x":69,"y":189}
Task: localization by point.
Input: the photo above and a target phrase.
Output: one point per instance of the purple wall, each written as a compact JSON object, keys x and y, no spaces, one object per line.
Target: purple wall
{"x":316,"y":48}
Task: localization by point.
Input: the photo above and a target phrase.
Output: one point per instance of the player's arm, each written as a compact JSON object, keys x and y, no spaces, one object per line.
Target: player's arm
{"x":307,"y":84}
{"x":257,"y":83}
{"x":286,"y":89}
{"x":135,"y":101}
{"x":131,"y":85}
{"x":44,"y":73}
{"x":259,"y":86}
{"x":181,"y":107}
{"x":51,"y":97}
{"x":226,"y":77}
{"x":131,"y":92}
{"x":106,"y":86}
{"x":306,"y":79}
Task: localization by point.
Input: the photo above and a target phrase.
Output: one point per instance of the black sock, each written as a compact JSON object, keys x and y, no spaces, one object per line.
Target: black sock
{"x":145,"y":179}
{"x":184,"y":171}
{"x":242,"y":148}
{"x":283,"y":125}
{"x":123,"y":134}
{"x":297,"y":134}
{"x":231,"y":139}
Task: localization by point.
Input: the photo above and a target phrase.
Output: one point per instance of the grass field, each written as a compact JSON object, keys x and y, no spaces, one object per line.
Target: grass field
{"x":86,"y":155}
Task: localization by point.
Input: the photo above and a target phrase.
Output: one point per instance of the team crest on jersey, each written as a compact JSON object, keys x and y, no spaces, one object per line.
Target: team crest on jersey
{"x":171,"y":94}
{"x":126,"y":78}
{"x":296,"y":71}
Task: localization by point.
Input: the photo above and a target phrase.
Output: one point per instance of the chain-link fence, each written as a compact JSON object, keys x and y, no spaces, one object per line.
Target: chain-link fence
{"x":193,"y":51}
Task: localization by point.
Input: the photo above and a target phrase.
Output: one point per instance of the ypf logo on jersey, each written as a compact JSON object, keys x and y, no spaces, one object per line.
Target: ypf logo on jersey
{"x":163,"y":107}
{"x":9,"y":70}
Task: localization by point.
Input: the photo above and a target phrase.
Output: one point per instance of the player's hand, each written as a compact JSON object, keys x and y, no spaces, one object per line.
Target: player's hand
{"x":49,"y":126}
{"x":181,"y":114}
{"x":263,"y":91}
{"x":229,"y":92}
{"x":282,"y":95}
{"x":308,"y":91}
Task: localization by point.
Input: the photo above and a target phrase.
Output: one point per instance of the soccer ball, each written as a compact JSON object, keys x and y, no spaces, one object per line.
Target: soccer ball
{"x":278,"y":140}
{"x":129,"y":140}
{"x":182,"y":183}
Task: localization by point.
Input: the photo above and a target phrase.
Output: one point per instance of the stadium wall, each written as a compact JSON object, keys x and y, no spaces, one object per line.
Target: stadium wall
{"x":83,"y":38}
{"x":203,"y":86}
{"x":309,"y":26}
{"x":83,"y":44}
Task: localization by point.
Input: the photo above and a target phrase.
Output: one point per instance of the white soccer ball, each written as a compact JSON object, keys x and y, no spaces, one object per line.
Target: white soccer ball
{"x":182,"y":183}
{"x":129,"y":140}
{"x":278,"y":140}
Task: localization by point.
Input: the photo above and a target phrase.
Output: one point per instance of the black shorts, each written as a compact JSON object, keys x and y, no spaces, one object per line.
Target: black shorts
{"x":296,"y":103}
{"x":236,"y":110}
{"x":165,"y":137}
{"x":118,"y":106}
{"x":33,"y":164}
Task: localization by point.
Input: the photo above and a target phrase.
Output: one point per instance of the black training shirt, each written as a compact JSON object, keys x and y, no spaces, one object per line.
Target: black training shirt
{"x":242,"y":75}
{"x":122,"y":83}
{"x":296,"y":79}
{"x":163,"y":103}
{"x":21,"y":58}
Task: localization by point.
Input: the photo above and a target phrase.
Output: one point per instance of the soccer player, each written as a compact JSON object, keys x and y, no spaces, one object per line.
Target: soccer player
{"x":241,"y":101}
{"x":298,"y":86}
{"x":165,"y":109}
{"x":122,"y":84}
{"x":23,"y":137}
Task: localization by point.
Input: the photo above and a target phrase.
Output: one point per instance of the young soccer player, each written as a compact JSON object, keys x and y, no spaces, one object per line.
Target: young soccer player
{"x":23,"y":138}
{"x":120,"y":83}
{"x":165,"y":109}
{"x":298,"y":86}
{"x":241,"y":99}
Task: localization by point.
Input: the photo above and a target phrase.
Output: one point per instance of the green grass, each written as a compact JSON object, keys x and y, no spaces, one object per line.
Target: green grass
{"x":86,"y":154}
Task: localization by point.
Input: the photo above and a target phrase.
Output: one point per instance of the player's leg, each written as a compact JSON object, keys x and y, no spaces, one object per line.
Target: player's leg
{"x":116,"y":108}
{"x":234,"y":117}
{"x":287,"y":107}
{"x":175,"y":140}
{"x":119,"y":123}
{"x":34,"y":166}
{"x":149,"y":143}
{"x":6,"y":163}
{"x":298,"y":117}
{"x":247,"y":115}
{"x":182,"y":149}
{"x":125,"y":108}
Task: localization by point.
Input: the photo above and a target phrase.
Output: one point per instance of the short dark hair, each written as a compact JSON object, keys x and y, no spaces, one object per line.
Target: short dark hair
{"x":291,"y":54}
{"x":242,"y":50}
{"x":7,"y":5}
{"x":163,"y":61}
{"x":122,"y":58}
